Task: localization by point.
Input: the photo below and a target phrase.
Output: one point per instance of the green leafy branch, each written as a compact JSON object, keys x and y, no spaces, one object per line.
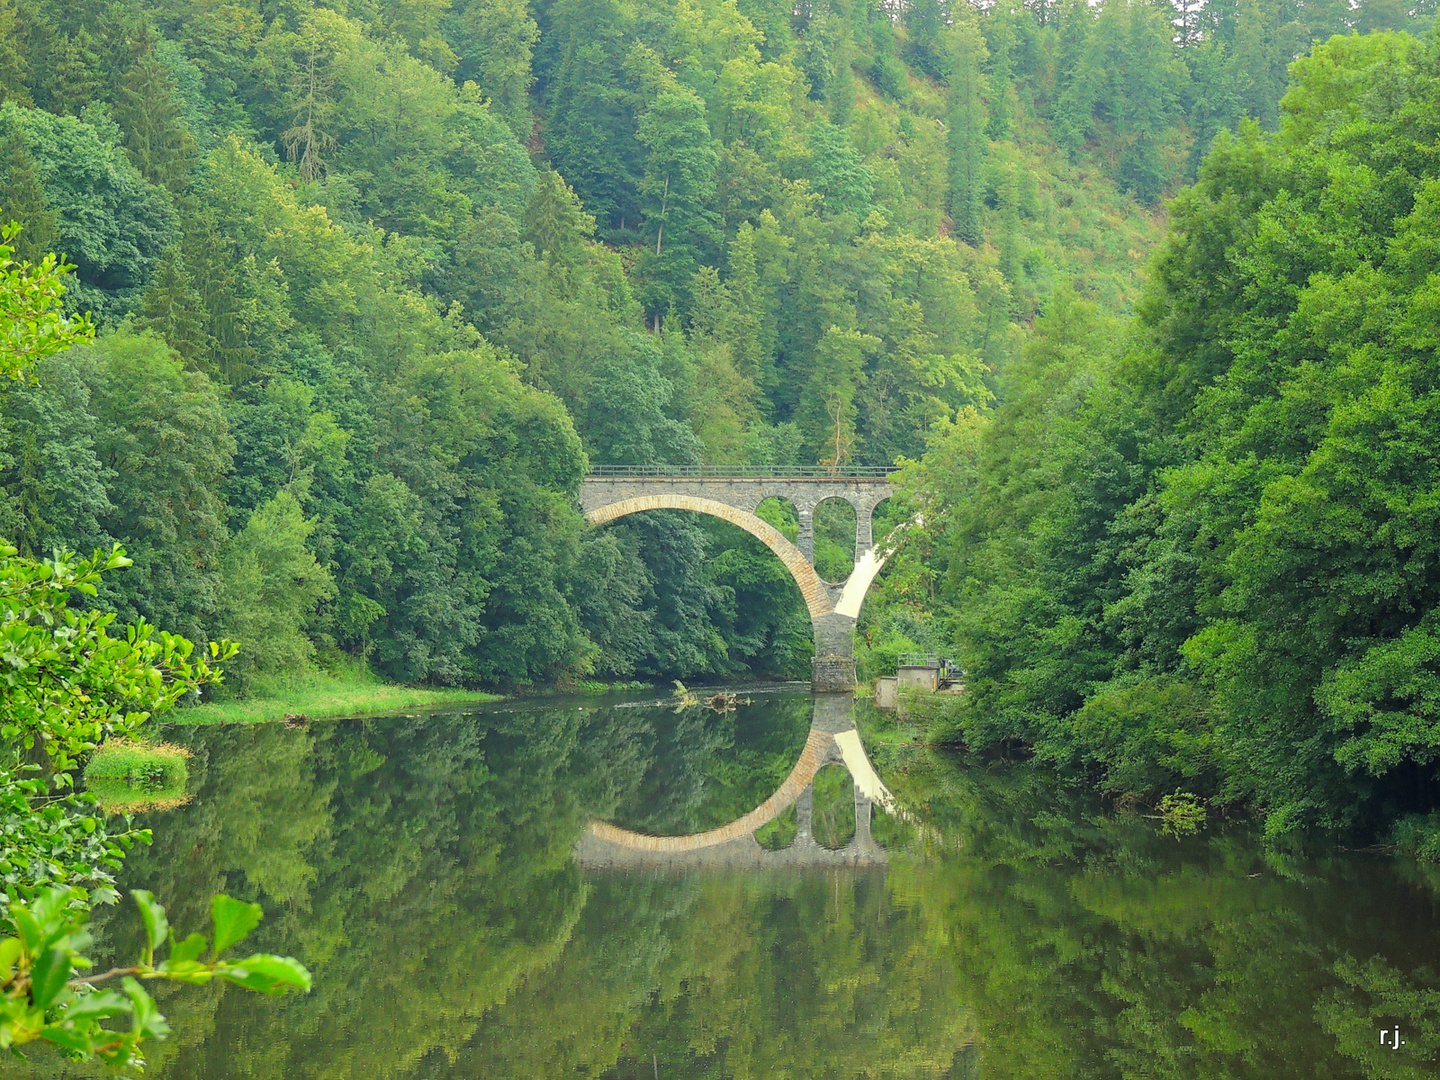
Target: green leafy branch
{"x":47,"y":998}
{"x":57,"y":839}
{"x":65,"y":682}
{"x":32,"y":323}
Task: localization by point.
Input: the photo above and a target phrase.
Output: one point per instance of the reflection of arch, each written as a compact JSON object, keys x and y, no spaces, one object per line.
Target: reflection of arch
{"x":815,"y":756}
{"x":812,"y":588}
{"x":834,"y":739}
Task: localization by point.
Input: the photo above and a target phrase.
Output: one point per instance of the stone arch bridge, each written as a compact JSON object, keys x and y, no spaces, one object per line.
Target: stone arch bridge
{"x":733,"y":494}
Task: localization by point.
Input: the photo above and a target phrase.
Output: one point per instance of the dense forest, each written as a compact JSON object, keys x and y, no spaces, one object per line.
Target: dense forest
{"x":1200,"y":547}
{"x":1142,"y":296}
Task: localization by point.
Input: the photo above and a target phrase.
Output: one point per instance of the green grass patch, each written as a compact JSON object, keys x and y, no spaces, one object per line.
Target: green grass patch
{"x":591,"y":686}
{"x":127,"y":775}
{"x":351,"y":690}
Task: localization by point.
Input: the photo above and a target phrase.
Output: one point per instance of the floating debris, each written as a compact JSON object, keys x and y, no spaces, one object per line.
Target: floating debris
{"x":725,"y":701}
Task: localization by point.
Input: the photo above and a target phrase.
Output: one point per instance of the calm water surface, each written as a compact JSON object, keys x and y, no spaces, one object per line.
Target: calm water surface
{"x":425,"y":869}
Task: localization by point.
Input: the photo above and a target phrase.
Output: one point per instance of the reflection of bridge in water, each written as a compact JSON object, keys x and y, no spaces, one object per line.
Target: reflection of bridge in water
{"x":833,"y":739}
{"x":733,"y":495}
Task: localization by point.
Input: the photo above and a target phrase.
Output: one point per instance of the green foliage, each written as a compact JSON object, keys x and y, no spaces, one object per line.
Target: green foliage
{"x":69,"y":683}
{"x":1205,"y":555}
{"x":1418,"y":835}
{"x":53,"y":839}
{"x":161,"y":476}
{"x":495,"y":40}
{"x":46,"y":996}
{"x":706,"y":231}
{"x":346,"y":687}
{"x":272,"y":586}
{"x":159,"y":143}
{"x":965,"y":114}
{"x":1022,"y":925}
{"x":109,"y":221}
{"x":24,"y":201}
{"x":1181,"y":814}
{"x":32,"y":326}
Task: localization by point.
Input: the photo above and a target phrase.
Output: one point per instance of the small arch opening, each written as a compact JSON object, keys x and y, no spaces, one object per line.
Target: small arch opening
{"x":834,"y":540}
{"x":833,"y":824}
{"x":780,"y":513}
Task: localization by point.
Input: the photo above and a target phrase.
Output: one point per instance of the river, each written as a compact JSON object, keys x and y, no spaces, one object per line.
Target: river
{"x":998,"y":923}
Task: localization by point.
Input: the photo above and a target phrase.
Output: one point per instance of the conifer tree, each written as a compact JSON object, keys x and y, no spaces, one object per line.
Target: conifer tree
{"x":156,"y":138}
{"x":677,"y":189}
{"x":556,"y":225}
{"x":309,"y":139}
{"x":742,"y":322}
{"x":965,"y":113}
{"x":1261,"y":59}
{"x":70,"y":77}
{"x":13,"y":68}
{"x":1002,"y":27}
{"x":22,"y":199}
{"x":1077,"y":77}
{"x":590,"y":132}
{"x":827,"y":410}
{"x":173,"y":309}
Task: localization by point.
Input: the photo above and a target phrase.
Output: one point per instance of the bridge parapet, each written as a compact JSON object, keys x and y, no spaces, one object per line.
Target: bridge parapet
{"x":745,"y":488}
{"x":721,"y":472}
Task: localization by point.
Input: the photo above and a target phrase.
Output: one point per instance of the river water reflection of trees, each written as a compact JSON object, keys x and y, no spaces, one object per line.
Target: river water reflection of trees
{"x":422,"y":867}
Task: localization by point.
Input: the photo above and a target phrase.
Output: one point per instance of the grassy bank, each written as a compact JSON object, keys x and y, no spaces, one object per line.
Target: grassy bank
{"x":350,"y":691}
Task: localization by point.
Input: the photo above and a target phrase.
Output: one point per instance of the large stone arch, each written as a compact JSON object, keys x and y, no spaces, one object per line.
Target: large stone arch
{"x":813,"y":588}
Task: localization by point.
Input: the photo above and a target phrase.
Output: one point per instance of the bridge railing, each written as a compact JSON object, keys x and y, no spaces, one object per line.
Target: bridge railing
{"x":745,"y":472}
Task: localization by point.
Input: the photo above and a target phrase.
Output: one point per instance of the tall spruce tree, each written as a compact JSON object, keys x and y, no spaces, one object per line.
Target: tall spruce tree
{"x":173,"y":309}
{"x":965,"y":114}
{"x":677,"y":189}
{"x":22,"y":199}
{"x":590,"y":133}
{"x":156,"y":138}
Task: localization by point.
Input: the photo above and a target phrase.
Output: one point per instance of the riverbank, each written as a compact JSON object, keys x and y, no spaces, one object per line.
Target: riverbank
{"x":350,"y":691}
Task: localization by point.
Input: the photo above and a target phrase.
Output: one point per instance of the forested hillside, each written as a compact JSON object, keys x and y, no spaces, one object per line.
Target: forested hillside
{"x":374,"y":280}
{"x":1200,"y":549}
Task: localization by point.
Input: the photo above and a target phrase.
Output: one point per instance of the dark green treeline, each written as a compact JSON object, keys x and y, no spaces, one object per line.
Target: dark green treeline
{"x":375,"y":277}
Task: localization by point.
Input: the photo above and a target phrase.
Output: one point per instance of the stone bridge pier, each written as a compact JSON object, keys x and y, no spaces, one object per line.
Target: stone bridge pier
{"x":733,"y":495}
